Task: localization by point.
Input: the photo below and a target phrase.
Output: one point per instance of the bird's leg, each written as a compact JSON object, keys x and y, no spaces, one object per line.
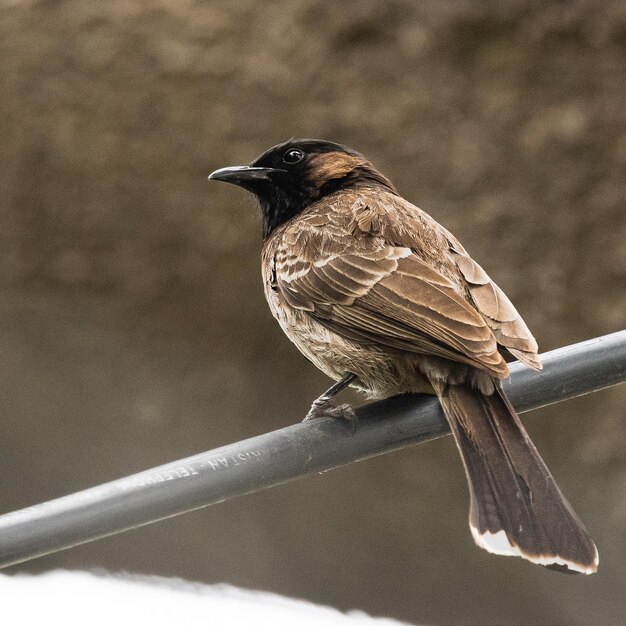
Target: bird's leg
{"x":322,"y":407}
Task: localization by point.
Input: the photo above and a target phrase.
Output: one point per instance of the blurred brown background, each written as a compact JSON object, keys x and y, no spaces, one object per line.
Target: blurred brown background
{"x":133,"y":329}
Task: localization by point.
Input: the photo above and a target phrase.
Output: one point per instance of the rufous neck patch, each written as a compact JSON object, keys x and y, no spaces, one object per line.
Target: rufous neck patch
{"x":331,"y":165}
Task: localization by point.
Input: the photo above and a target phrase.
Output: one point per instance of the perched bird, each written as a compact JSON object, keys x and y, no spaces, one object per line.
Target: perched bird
{"x":382,"y":298}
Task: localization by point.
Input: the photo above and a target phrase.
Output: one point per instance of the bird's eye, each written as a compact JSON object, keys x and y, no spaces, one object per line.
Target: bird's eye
{"x":293,"y":155}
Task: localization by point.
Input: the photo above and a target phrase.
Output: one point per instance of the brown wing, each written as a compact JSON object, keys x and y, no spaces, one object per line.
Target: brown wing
{"x":369,"y":290}
{"x":501,"y":316}
{"x":375,"y":268}
{"x":402,"y":223}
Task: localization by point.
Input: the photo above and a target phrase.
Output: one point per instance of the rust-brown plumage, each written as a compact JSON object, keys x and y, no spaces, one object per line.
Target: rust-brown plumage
{"x":378,"y":295}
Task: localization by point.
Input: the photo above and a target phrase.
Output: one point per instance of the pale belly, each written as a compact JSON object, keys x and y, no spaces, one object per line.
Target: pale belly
{"x":380,"y":373}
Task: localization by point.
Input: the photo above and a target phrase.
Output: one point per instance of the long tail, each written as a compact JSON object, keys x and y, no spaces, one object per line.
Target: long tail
{"x":516,"y":506}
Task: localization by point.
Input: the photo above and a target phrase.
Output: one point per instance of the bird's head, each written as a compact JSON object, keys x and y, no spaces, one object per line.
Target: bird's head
{"x":289,"y":177}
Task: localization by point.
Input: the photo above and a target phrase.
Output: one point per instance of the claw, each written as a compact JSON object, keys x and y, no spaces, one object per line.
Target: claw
{"x":322,"y":407}
{"x":343,"y":412}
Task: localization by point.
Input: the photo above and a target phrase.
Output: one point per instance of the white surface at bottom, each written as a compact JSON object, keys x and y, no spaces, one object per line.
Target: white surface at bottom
{"x":77,"y":598}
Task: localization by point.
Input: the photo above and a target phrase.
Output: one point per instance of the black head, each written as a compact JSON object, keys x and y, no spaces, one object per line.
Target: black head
{"x":289,"y":177}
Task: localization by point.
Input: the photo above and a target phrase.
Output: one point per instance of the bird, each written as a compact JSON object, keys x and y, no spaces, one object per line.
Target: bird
{"x":382,"y":298}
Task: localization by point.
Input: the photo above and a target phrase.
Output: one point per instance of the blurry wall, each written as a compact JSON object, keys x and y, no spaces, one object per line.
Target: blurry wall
{"x":133,"y":328}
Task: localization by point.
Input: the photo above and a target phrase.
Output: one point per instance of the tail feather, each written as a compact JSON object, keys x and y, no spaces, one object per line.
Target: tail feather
{"x":516,"y":507}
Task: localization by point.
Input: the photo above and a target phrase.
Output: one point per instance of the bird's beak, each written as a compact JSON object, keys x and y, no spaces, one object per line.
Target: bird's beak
{"x":242,"y":174}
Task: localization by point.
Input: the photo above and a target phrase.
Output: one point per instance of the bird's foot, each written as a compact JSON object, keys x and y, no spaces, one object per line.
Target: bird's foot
{"x":343,"y":412}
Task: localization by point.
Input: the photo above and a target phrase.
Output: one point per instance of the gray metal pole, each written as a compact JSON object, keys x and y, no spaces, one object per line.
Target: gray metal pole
{"x":287,"y":454}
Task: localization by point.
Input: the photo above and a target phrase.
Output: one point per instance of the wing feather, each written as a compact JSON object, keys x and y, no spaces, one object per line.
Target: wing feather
{"x":399,"y":280}
{"x":393,"y":299}
{"x":498,"y":311}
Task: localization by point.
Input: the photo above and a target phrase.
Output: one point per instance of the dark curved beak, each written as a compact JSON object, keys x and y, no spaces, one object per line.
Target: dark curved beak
{"x":242,"y":174}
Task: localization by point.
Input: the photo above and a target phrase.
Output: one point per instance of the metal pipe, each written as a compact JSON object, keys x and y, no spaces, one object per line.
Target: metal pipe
{"x":287,"y":454}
